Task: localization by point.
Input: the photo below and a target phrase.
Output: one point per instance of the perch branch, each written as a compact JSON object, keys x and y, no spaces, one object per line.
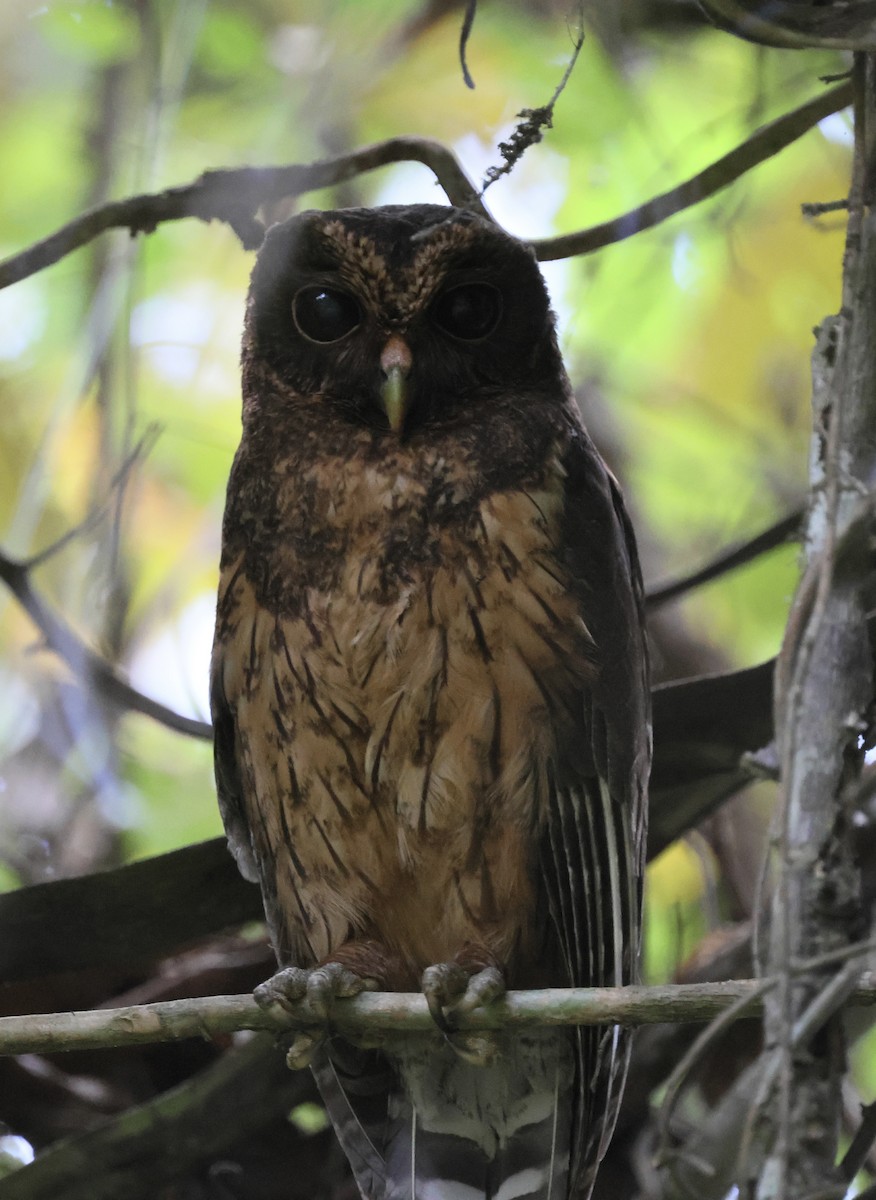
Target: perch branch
{"x":387,"y":1011}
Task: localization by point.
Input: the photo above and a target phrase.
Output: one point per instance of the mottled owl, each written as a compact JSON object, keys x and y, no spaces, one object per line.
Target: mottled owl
{"x":429,"y":691}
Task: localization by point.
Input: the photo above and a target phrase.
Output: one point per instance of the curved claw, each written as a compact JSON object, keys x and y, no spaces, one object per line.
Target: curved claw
{"x":443,"y":986}
{"x":285,"y":988}
{"x":451,"y":991}
{"x":320,"y":987}
{"x":483,"y":988}
{"x":333,"y":981}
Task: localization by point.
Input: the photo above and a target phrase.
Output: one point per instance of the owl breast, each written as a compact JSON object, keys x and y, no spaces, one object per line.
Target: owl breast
{"x":399,"y":724}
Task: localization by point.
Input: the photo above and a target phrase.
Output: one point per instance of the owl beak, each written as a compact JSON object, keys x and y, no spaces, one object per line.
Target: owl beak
{"x":395,"y":363}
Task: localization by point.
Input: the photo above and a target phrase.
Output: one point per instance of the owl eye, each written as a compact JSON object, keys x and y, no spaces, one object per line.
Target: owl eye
{"x":324,"y":315}
{"x":469,"y":311}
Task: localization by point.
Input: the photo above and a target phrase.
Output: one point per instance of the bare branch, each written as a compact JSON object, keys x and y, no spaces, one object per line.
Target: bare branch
{"x":391,"y":1012}
{"x":84,"y":662}
{"x":464,"y":34}
{"x":234,"y":196}
{"x":763,"y":144}
{"x":116,"y":484}
{"x":824,"y":694}
{"x":726,"y":561}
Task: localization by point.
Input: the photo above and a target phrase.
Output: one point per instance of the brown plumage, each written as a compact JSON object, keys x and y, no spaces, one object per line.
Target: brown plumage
{"x":429,"y":683}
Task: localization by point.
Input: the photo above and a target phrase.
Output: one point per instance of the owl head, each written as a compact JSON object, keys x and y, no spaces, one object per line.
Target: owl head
{"x":398,"y":318}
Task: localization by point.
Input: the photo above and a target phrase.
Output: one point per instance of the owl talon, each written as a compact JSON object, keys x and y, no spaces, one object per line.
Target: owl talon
{"x":285,"y":988}
{"x":333,"y":981}
{"x":443,"y":986}
{"x":451,"y":991}
{"x":320,"y":986}
{"x":483,"y":988}
{"x":303,"y":1047}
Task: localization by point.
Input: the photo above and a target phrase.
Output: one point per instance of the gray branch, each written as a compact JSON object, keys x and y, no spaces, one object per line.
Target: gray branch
{"x":391,"y":1012}
{"x":824,"y":690}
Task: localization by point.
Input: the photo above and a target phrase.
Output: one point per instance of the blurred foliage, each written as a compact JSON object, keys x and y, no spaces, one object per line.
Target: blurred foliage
{"x":690,"y":342}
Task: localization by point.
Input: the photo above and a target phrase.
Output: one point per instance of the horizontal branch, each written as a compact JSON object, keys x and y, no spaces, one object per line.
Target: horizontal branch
{"x":235,"y":195}
{"x":388,"y":1011}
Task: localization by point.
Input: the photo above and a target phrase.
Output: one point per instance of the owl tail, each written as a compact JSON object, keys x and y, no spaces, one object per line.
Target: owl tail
{"x":444,"y":1129}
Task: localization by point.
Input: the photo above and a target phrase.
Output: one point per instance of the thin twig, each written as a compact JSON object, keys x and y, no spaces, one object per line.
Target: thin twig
{"x":464,"y":34}
{"x":387,"y":1011}
{"x":744,"y":1006}
{"x":726,"y":561}
{"x":84,"y":662}
{"x":824,"y":1004}
{"x":528,"y":131}
{"x":118,"y":482}
{"x":820,"y":208}
{"x":763,"y":144}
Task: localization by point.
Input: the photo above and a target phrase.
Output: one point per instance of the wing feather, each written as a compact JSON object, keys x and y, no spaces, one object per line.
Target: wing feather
{"x":229,"y":785}
{"x":592,"y":846}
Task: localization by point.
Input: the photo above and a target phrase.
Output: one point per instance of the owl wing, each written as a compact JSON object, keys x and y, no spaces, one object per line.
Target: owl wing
{"x":229,"y":786}
{"x":592,"y":850}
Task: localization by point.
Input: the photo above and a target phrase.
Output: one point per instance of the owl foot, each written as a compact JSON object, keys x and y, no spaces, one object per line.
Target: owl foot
{"x":452,"y":991}
{"x":318,"y":987}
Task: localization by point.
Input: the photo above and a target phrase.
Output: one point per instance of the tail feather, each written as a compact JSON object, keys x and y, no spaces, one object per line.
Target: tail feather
{"x":447,"y":1130}
{"x":353,"y":1086}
